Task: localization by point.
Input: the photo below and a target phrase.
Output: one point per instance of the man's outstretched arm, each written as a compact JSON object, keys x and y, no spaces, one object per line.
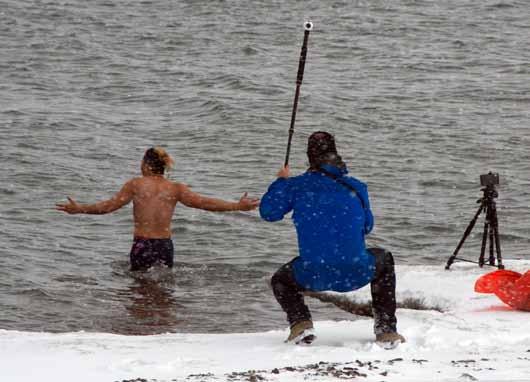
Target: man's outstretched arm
{"x":195,"y":200}
{"x":120,"y":199}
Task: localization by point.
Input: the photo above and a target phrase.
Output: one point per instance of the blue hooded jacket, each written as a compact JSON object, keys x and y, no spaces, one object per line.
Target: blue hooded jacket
{"x":331,"y":224}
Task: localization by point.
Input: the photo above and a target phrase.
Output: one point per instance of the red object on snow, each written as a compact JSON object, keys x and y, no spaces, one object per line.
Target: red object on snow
{"x":510,"y":287}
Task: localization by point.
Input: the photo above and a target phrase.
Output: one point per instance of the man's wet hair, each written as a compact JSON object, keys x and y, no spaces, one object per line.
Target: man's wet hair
{"x":321,"y":149}
{"x":158,"y":160}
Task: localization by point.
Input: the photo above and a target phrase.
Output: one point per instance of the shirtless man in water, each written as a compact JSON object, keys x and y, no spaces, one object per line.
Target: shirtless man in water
{"x":154,"y":199}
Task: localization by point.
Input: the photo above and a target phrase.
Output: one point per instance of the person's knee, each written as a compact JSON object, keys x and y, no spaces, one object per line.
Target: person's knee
{"x":382,"y":255}
{"x":384,"y":261}
{"x":389,"y":258}
{"x":377,"y":251}
{"x":275,"y":280}
{"x":282,"y":287}
{"x":279,"y":278}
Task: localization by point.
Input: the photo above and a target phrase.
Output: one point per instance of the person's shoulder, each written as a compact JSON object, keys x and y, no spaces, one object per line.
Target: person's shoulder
{"x":179,"y":187}
{"x":308,"y":176}
{"x":296,"y":180}
{"x":304,"y":176}
{"x":133,"y":182}
{"x":174,"y":188}
{"x":355,"y":182}
{"x":303,"y":180}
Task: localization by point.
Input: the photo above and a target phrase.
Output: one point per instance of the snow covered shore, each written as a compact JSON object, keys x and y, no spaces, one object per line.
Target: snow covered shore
{"x":475,"y":338}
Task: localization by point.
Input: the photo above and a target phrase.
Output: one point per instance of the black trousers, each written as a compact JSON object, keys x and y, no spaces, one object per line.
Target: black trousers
{"x":289,"y":293}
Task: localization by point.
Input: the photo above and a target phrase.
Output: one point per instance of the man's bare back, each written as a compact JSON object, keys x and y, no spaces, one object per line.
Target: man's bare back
{"x":154,"y":199}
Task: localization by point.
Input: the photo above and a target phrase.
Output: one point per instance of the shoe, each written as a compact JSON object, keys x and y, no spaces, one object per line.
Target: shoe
{"x":302,"y":333}
{"x":389,"y":340}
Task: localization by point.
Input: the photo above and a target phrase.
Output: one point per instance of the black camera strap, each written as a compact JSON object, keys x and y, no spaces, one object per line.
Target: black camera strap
{"x":343,"y":183}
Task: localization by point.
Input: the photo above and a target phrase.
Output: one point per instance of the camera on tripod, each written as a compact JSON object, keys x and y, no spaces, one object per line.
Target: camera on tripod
{"x":489,"y":179}
{"x":491,"y":224}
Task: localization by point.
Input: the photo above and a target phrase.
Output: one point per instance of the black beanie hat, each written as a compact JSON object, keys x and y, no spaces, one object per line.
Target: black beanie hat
{"x":321,"y":150}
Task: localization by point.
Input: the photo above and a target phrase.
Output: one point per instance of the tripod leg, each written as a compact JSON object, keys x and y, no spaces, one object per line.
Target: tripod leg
{"x":495,"y":225}
{"x":498,"y":247}
{"x":468,"y":230}
{"x":489,"y":219}
{"x":491,"y":259}
{"x":484,"y":240}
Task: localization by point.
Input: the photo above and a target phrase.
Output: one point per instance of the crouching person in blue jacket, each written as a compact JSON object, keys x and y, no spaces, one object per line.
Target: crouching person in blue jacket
{"x":331,"y":213}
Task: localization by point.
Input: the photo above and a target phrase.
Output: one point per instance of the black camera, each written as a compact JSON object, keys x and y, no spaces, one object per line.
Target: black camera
{"x":490,"y":179}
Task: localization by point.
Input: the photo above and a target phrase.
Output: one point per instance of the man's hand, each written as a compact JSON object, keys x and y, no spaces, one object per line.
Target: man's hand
{"x":284,"y":172}
{"x":72,"y":207}
{"x":247,"y":204}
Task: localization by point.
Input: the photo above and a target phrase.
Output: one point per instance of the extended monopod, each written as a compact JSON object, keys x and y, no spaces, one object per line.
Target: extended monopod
{"x":308,"y":26}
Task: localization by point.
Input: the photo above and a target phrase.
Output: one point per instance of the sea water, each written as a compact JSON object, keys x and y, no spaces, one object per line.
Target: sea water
{"x":422,"y":96}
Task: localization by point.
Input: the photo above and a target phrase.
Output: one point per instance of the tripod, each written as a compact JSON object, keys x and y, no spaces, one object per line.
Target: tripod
{"x":491,"y":231}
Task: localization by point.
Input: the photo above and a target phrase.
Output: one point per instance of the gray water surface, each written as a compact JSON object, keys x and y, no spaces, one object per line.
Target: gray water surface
{"x":423,"y":97}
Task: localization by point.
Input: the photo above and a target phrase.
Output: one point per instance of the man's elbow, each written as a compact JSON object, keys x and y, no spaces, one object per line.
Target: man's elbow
{"x":269,"y":214}
{"x":104,"y":211}
{"x":107,"y":209}
{"x":271,"y":218}
{"x":369,"y":227}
